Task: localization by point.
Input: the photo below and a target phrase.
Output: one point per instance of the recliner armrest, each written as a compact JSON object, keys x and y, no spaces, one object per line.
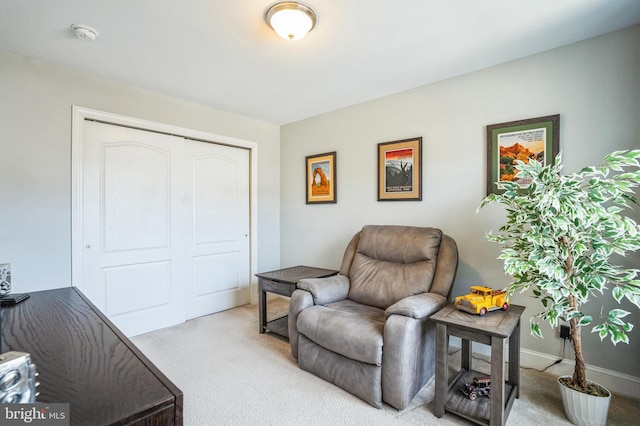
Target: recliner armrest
{"x":418,"y":306}
{"x":326,"y":290}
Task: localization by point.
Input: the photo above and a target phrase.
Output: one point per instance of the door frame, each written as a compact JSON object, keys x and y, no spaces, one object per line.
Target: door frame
{"x":81,"y":114}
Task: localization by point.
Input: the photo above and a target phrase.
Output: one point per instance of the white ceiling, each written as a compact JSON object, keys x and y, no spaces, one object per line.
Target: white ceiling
{"x":222,"y":54}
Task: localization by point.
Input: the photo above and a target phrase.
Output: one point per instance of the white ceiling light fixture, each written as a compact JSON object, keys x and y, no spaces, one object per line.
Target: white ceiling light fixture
{"x":85,"y":32}
{"x":291,"y":20}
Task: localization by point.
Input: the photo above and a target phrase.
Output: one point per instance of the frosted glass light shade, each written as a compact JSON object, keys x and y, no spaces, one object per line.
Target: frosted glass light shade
{"x":290,"y":20}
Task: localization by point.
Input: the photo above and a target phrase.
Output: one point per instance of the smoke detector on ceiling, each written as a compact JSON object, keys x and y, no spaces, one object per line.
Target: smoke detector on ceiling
{"x":84,"y":32}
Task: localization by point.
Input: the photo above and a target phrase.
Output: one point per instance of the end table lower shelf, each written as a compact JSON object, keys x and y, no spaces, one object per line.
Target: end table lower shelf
{"x":279,"y":326}
{"x":478,"y":410}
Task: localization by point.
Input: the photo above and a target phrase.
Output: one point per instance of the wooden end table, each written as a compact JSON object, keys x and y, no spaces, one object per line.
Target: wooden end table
{"x":283,"y":282}
{"x":493,"y":328}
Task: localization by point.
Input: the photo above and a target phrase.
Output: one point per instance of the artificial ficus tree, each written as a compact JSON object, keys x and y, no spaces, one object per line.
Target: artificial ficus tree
{"x":559,"y":238}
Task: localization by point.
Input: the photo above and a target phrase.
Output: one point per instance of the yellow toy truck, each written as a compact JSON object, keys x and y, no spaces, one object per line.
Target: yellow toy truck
{"x":481,"y":300}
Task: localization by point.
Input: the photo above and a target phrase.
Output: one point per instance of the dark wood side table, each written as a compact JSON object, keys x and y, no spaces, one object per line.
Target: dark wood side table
{"x":85,"y":361}
{"x":283,"y":282}
{"x":493,"y":328}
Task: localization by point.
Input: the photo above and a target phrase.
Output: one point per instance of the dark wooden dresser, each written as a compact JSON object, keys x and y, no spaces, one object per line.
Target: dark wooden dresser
{"x":84,"y":360}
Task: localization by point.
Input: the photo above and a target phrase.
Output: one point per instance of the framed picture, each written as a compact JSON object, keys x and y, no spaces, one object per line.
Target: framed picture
{"x":400,"y":170}
{"x":5,"y":279}
{"x":534,"y":138}
{"x":321,"y":178}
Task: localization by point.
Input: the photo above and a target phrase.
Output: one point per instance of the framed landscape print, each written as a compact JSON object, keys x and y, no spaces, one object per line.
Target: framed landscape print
{"x":400,"y":170}
{"x":534,"y":138}
{"x":321,"y":178}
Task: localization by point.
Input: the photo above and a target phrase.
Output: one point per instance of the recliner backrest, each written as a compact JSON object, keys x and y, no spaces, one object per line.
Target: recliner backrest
{"x":387,"y":263}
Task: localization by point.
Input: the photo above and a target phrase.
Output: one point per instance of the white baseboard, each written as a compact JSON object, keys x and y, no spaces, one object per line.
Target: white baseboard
{"x":617,"y":383}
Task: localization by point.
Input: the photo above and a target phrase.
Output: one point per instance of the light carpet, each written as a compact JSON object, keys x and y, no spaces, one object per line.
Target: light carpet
{"x":232,"y":375}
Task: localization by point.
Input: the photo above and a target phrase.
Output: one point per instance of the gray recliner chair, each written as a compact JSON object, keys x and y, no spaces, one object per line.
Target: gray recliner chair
{"x":367,"y":329}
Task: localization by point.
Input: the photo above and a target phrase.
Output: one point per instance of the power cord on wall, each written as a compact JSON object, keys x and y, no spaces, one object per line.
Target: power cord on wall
{"x":556,"y":362}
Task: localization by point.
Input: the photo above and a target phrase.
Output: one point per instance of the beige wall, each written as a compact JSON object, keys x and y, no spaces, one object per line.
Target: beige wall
{"x":35,"y":162}
{"x":593,"y":85}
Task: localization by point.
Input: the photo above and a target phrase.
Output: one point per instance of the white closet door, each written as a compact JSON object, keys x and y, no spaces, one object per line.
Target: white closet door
{"x":218,"y":242}
{"x":165,"y":226}
{"x":133,"y":243}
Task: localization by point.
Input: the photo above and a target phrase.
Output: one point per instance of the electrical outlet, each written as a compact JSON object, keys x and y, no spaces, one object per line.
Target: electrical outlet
{"x":565,"y":332}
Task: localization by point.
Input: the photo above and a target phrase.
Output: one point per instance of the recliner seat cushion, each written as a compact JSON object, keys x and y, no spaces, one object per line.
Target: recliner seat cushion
{"x":347,"y":328}
{"x":392,"y":263}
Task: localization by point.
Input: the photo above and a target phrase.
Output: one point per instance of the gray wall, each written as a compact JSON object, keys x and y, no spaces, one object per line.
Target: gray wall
{"x":35,"y":162}
{"x":593,"y":85}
